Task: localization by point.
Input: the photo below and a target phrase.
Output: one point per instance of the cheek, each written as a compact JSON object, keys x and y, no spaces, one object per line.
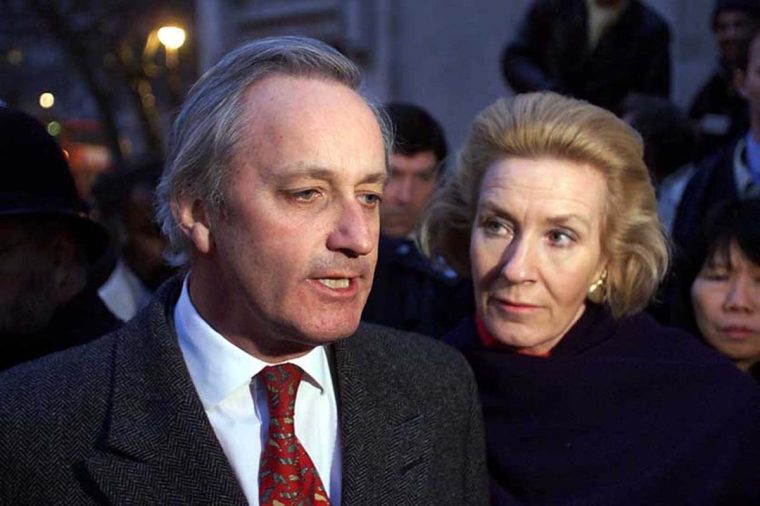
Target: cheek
{"x":705,"y":300}
{"x":484,"y":260}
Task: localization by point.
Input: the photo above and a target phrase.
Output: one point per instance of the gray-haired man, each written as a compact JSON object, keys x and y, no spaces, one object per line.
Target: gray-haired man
{"x":271,"y":194}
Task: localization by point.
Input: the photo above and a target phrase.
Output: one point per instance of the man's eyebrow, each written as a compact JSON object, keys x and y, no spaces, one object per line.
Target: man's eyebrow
{"x":295,"y":171}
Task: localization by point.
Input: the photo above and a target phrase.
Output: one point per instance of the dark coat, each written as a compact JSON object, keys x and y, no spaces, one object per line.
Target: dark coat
{"x":118,"y":421}
{"x":411,"y":293}
{"x":713,"y":182}
{"x":550,"y":52}
{"x":622,"y":412}
{"x":82,"y":319}
{"x":721,"y":112}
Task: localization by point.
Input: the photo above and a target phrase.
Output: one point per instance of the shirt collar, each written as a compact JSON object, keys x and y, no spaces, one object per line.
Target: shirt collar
{"x":218,"y":367}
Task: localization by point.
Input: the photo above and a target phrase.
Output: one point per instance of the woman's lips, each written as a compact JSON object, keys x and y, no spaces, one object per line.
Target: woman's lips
{"x":514,"y":306}
{"x":737,"y":332}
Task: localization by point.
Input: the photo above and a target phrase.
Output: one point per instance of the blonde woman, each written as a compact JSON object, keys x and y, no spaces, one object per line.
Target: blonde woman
{"x":586,"y":399}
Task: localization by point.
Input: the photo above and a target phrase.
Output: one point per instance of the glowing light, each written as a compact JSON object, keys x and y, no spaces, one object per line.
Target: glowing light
{"x":54,"y":128}
{"x":47,"y":100}
{"x":15,"y":57}
{"x":173,"y":37}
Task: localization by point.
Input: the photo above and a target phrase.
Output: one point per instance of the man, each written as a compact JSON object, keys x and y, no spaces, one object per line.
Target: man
{"x":409,"y":291}
{"x":48,"y":245}
{"x":719,"y":111}
{"x":596,"y":50}
{"x":125,"y":201}
{"x":248,"y":380}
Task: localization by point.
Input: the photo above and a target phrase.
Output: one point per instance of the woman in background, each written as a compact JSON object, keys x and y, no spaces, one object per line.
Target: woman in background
{"x":586,"y":400}
{"x":723,"y":297}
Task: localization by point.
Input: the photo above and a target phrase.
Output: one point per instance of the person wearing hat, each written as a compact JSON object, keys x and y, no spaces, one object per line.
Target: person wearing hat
{"x":718,"y":110}
{"x":47,"y":245}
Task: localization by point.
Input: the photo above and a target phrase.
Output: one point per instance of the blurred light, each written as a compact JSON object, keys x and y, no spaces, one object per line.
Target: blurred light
{"x":54,"y":128}
{"x":66,"y":153}
{"x":171,"y":36}
{"x":47,"y":100}
{"x":149,"y":100}
{"x":15,"y":56}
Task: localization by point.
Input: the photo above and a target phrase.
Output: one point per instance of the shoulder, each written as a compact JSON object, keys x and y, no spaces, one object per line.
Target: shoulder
{"x":651,"y":20}
{"x":41,"y":390}
{"x":684,"y":355}
{"x":402,"y":348}
{"x":385,"y":354}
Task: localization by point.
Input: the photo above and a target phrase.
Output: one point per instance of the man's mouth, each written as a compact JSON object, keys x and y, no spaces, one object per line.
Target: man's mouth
{"x":335,"y":283}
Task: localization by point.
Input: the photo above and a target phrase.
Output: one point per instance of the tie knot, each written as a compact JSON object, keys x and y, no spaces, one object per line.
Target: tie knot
{"x":281,"y":384}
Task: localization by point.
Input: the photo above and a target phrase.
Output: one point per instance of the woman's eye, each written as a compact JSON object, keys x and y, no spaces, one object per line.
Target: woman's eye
{"x":561,"y":238}
{"x":495,"y":226}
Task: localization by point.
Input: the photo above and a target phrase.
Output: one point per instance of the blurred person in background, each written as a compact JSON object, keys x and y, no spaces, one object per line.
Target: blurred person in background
{"x":596,"y":50}
{"x":47,"y":246}
{"x":586,"y":400}
{"x":409,"y":291}
{"x":720,"y":294}
{"x":125,"y":202}
{"x":718,"y":110}
{"x":670,"y":143}
{"x":733,"y":173}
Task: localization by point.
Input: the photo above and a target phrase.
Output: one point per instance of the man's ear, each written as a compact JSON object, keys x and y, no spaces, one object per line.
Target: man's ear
{"x":192,"y":218}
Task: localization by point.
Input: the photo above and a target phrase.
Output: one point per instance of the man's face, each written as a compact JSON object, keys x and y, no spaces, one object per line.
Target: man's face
{"x":291,"y":257}
{"x":28,"y":296}
{"x":145,"y":245}
{"x":730,"y":28}
{"x":412,"y":182}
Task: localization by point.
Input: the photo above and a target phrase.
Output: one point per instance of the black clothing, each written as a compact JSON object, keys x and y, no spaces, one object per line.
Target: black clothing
{"x":81,"y":320}
{"x":550,"y":52}
{"x":118,"y":421}
{"x":409,"y":292}
{"x":622,"y":412}
{"x":720,"y":112}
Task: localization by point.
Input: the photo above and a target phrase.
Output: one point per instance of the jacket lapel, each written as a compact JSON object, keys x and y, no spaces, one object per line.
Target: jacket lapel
{"x":385,"y":452}
{"x":158,"y":445}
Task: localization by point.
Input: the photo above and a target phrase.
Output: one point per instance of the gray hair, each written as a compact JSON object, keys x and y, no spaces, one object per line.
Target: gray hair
{"x":208,"y":128}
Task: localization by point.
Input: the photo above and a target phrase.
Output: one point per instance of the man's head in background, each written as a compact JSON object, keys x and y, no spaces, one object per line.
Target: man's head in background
{"x":47,"y":241}
{"x":419,"y":149}
{"x":125,"y":201}
{"x":732,"y":22}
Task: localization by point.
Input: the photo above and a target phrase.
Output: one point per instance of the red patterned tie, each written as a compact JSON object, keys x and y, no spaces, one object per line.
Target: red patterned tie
{"x":287,"y":476}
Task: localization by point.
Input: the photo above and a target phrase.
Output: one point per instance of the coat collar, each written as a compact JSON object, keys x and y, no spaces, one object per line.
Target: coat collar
{"x":158,"y":445}
{"x":385,"y":450}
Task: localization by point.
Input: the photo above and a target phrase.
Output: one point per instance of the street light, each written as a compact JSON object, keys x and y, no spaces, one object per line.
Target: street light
{"x":172,"y":37}
{"x":47,"y":100}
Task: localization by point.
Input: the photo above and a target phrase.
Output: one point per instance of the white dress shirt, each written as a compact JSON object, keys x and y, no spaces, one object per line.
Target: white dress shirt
{"x":236,"y":403}
{"x":124,"y":293}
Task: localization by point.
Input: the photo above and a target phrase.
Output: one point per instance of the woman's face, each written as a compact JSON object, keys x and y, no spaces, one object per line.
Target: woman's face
{"x":536,"y":248}
{"x":726,"y":300}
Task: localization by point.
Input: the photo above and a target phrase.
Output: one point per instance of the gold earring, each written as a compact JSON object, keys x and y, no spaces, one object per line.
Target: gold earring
{"x":597,"y":292}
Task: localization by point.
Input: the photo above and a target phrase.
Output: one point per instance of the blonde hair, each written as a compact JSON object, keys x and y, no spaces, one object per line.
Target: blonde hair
{"x":538,"y":125}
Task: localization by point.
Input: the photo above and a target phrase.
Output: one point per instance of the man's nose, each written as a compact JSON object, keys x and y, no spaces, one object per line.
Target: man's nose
{"x":355,"y":231}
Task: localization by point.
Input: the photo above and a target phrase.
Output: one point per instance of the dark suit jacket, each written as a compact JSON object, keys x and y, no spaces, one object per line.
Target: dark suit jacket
{"x":550,"y":52}
{"x":119,"y":421}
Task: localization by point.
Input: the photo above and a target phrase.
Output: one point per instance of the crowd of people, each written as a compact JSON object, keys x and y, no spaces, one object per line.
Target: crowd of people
{"x":310,"y":301}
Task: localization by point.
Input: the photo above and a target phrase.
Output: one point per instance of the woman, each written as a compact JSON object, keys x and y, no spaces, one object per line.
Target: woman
{"x":724,"y":288}
{"x":586,"y":400}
